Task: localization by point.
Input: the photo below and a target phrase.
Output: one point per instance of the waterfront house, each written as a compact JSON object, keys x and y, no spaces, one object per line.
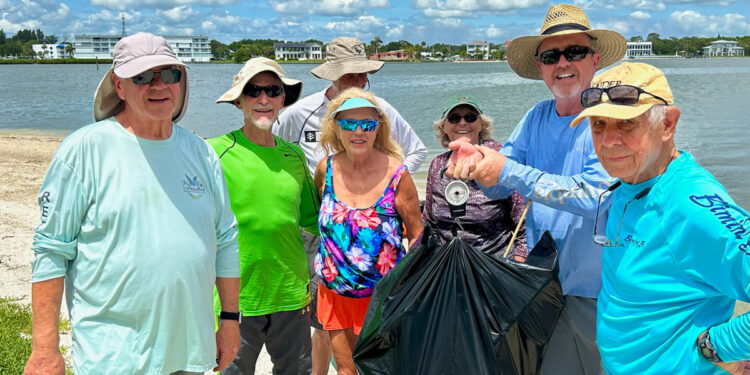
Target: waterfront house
{"x":639,"y":49}
{"x":298,"y":51}
{"x":478,"y":48}
{"x":398,"y":54}
{"x":49,"y":51}
{"x":723,"y":48}
{"x":187,"y":48}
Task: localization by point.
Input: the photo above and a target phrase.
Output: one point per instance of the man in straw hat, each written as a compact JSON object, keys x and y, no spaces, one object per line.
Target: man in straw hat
{"x":136,"y":224}
{"x":556,"y":167}
{"x":346,"y":66}
{"x":676,"y":248}
{"x":272,"y":192}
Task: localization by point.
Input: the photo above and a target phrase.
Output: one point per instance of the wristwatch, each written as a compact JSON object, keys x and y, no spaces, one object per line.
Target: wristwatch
{"x":224,"y":315}
{"x":707,"y":349}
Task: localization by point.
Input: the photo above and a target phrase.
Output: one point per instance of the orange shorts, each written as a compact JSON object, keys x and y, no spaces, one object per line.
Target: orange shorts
{"x":338,"y":312}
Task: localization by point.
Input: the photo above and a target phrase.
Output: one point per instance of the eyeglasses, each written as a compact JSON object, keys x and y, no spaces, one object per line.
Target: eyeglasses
{"x":620,"y":94}
{"x":168,"y":76}
{"x":351,"y":125}
{"x":572,"y":53}
{"x":254,"y":91}
{"x":455,"y":118}
{"x":602,"y":240}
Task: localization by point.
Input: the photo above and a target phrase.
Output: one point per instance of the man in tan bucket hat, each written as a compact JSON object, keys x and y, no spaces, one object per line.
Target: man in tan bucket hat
{"x":346,"y":66}
{"x":273,"y":195}
{"x":136,"y":225}
{"x":558,"y":170}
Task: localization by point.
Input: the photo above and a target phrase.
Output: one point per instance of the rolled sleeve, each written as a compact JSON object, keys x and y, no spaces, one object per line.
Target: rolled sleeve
{"x":227,"y":250}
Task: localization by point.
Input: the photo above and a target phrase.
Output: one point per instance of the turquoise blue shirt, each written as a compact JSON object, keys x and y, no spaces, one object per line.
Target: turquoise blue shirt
{"x":682,"y":260}
{"x":556,"y":167}
{"x":140,"y":229}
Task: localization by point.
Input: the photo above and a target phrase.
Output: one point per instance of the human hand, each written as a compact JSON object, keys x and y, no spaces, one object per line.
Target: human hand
{"x":463,"y":160}
{"x":488,"y":169}
{"x":227,"y":343}
{"x":45,"y":362}
{"x":735,"y":368}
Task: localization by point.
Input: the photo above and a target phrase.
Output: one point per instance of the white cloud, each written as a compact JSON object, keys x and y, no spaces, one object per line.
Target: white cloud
{"x":470,"y":8}
{"x":63,"y":11}
{"x":395,"y":32}
{"x":494,"y":32}
{"x":208,"y":26}
{"x":177,"y":14}
{"x":327,"y":7}
{"x":692,"y":22}
{"x":640,"y":15}
{"x":157,"y":4}
{"x":620,"y":4}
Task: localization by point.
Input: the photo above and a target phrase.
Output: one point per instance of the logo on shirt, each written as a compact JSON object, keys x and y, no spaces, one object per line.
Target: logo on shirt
{"x":193,"y":187}
{"x":629,"y":239}
{"x":730,"y":216}
{"x":311,"y":136}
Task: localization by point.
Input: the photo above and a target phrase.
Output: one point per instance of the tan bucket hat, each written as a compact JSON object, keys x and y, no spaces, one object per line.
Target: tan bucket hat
{"x":292,"y":87}
{"x":132,"y":55}
{"x":564,"y":19}
{"x":644,"y":76}
{"x":345,"y":55}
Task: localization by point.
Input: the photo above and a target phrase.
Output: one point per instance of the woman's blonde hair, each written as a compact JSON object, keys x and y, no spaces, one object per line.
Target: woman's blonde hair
{"x":329,"y":139}
{"x":484,"y":134}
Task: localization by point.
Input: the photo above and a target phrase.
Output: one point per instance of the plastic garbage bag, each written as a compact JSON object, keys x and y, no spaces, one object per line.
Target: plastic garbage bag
{"x":456,"y":310}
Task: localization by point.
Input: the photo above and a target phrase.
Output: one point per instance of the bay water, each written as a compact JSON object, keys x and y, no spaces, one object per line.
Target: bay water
{"x":712,"y":94}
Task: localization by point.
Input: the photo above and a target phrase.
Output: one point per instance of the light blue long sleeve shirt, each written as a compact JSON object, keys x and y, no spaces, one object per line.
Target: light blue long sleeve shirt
{"x":681,"y":261}
{"x":556,"y":167}
{"x":140,"y":229}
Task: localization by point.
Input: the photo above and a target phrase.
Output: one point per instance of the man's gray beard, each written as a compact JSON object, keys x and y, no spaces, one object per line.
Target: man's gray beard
{"x":262,"y":125}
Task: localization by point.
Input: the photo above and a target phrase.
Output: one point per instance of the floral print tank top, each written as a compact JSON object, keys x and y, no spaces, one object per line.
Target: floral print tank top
{"x":358,"y":246}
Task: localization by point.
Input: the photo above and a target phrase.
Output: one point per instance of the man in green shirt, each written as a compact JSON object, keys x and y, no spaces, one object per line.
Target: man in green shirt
{"x":272,"y":195}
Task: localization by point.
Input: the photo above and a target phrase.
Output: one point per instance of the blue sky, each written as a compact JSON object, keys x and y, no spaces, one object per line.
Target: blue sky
{"x":432,"y":21}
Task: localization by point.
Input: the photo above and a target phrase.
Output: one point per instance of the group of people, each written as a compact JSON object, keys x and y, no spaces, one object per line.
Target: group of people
{"x":291,"y":220}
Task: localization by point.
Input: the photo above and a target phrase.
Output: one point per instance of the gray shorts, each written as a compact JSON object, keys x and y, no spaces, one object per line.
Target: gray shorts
{"x":311,"y":244}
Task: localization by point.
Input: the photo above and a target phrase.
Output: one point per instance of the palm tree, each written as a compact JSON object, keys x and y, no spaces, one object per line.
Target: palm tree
{"x":69,"y":49}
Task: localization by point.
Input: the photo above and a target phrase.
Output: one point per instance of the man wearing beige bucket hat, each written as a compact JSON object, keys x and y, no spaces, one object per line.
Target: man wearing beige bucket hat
{"x":136,"y":225}
{"x":557,"y":169}
{"x":676,"y":249}
{"x":346,"y":66}
{"x":273,"y":195}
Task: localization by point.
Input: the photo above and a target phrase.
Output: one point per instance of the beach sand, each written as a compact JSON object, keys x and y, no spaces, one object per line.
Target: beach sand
{"x":25,"y":158}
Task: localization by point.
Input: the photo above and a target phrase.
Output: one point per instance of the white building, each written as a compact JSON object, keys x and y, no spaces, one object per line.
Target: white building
{"x":187,"y":48}
{"x":636,"y":49}
{"x":298,"y":51}
{"x":723,"y":48}
{"x":49,"y":51}
{"x":478,"y":48}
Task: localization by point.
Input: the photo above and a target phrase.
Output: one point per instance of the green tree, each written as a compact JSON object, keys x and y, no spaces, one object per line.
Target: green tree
{"x":220,"y":50}
{"x":69,"y":49}
{"x":245,"y":52}
{"x":2,"y":36}
{"x":652,"y":36}
{"x":636,"y":38}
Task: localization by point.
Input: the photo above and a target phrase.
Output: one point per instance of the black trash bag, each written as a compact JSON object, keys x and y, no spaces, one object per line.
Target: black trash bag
{"x":456,"y":310}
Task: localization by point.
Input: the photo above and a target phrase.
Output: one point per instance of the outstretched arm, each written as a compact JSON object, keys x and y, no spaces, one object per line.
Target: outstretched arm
{"x":46,"y":358}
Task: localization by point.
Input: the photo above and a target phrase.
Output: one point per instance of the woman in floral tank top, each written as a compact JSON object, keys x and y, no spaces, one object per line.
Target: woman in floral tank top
{"x":368,"y":198}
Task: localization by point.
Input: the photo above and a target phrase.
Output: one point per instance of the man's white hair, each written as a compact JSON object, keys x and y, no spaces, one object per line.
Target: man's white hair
{"x":656,"y":114}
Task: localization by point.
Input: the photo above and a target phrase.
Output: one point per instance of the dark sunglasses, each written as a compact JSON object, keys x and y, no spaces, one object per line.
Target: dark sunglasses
{"x":351,"y":125}
{"x":455,"y":118}
{"x":572,"y":53}
{"x":621,"y":94}
{"x":254,"y":91}
{"x":168,"y":75}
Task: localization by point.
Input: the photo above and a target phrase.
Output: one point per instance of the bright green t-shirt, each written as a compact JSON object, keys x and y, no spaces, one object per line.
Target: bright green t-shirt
{"x":272,"y":195}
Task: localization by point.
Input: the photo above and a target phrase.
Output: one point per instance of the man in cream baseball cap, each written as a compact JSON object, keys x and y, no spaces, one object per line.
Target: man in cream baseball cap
{"x":136,"y":228}
{"x":273,"y":195}
{"x":555,"y":166}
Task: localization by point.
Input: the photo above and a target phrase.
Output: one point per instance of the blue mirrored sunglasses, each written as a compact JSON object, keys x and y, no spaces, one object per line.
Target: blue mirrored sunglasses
{"x":351,"y":125}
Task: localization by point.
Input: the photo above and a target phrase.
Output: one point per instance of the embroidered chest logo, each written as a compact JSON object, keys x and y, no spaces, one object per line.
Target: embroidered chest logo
{"x":311,"y":136}
{"x":193,"y":187}
{"x":731,"y":217}
{"x":631,"y":240}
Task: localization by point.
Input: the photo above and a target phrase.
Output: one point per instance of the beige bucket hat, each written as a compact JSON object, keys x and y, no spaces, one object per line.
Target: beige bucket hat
{"x":132,"y":55}
{"x":345,"y":55}
{"x":292,"y":87}
{"x":644,"y":76}
{"x":563,"y":19}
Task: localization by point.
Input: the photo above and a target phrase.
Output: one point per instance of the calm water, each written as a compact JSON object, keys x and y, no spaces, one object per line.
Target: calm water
{"x":711,"y":93}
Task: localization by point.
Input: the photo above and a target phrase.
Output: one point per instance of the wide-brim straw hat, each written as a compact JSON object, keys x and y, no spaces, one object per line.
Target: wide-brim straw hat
{"x":564,"y":19}
{"x":254,"y":66}
{"x":133,"y":55}
{"x":345,"y":55}
{"x":645,"y":76}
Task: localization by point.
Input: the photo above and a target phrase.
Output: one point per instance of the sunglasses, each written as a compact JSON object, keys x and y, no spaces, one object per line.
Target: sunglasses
{"x":254,"y":91}
{"x":168,"y":76}
{"x":455,"y":118}
{"x":621,"y":94}
{"x":351,"y":125}
{"x":572,"y":53}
